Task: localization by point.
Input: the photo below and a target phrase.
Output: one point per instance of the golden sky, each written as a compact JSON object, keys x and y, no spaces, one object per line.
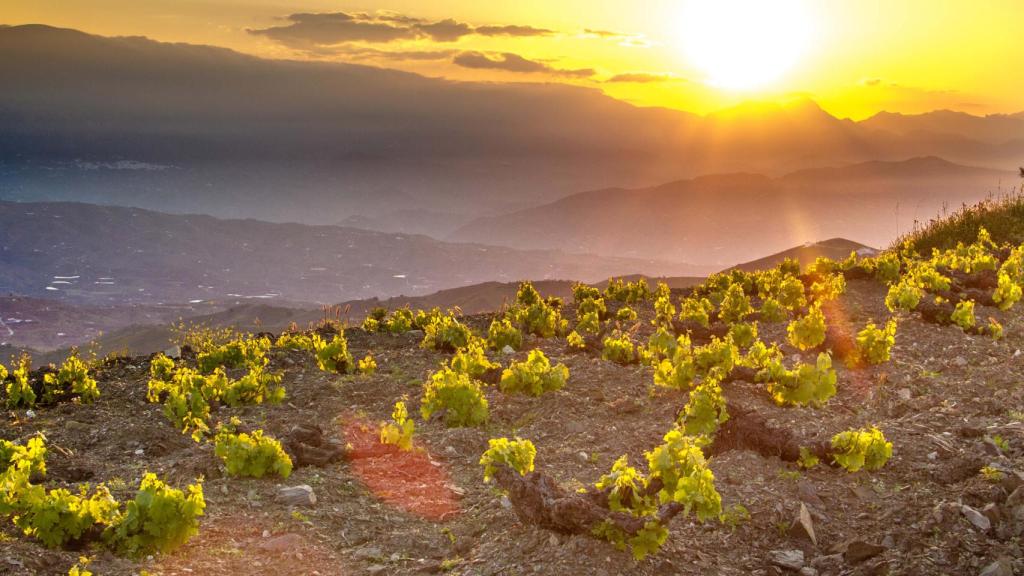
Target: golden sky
{"x":854,"y":57}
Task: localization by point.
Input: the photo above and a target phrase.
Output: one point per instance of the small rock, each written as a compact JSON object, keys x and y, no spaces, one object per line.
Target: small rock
{"x":992,"y":512}
{"x":367,"y":553}
{"x":979,"y":520}
{"x":889,"y":541}
{"x":903,"y":394}
{"x":174,"y":352}
{"x":829,"y":563}
{"x":808,"y":494}
{"x":505,"y":502}
{"x":1001,"y":567}
{"x":933,"y":456}
{"x":808,"y":571}
{"x":583,"y":457}
{"x":553,"y":540}
{"x":301,"y":495}
{"x":77,"y":428}
{"x":140,"y":452}
{"x":787,"y":559}
{"x":960,"y":361}
{"x":30,"y":414}
{"x":508,"y":350}
{"x":376,"y":569}
{"x":803,"y":527}
{"x":859,"y":551}
{"x":281,"y":544}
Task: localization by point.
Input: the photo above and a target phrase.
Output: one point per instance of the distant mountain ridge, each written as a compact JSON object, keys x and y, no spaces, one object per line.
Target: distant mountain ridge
{"x":199,"y":129}
{"x":103,"y":254}
{"x":727,"y":218}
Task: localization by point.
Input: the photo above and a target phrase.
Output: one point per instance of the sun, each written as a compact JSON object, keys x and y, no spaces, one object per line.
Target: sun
{"x":745,"y":44}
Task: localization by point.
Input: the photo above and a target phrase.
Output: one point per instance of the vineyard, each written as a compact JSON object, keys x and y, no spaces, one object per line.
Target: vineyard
{"x":862,"y":416}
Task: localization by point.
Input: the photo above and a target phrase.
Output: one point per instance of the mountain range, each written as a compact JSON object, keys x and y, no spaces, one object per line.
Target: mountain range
{"x":198,"y":129}
{"x":727,"y":218}
{"x":101,"y":254}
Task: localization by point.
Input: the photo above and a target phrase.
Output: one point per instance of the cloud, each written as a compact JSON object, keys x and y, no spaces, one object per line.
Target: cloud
{"x":642,"y":78}
{"x":394,"y":55}
{"x":308,"y":30}
{"x":623,"y":39}
{"x":510,"y":62}
{"x":512,"y":30}
{"x":447,"y":30}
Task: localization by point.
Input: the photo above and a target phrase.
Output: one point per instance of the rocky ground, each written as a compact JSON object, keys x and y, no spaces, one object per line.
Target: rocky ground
{"x":950,"y":403}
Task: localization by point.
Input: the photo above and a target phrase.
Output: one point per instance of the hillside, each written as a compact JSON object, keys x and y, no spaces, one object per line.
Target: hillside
{"x":728,"y":218}
{"x":105,"y":254}
{"x":127,"y":120}
{"x":940,"y":492}
{"x":833,"y":249}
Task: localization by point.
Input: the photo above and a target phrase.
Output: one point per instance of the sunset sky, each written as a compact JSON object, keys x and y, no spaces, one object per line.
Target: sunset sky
{"x":855,"y":57}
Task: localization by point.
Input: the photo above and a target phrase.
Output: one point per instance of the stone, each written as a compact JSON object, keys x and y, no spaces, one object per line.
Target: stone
{"x":992,"y":512}
{"x":903,"y":394}
{"x":979,"y":520}
{"x":367,"y":553}
{"x":808,"y":571}
{"x":583,"y":457}
{"x":803,"y":527}
{"x":174,"y":352}
{"x":859,"y":551}
{"x":792,"y":560}
{"x":960,"y":361}
{"x":808,"y":494}
{"x":508,"y":350}
{"x":281,"y":544}
{"x":301,"y":495}
{"x":1001,"y":567}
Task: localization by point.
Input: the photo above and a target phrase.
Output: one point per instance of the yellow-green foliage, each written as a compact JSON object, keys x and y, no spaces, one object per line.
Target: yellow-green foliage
{"x":333,"y":356}
{"x":186,"y":397}
{"x":472,"y":360}
{"x":874,"y":344}
{"x":295,"y":341}
{"x":159,"y":519}
{"x":662,"y":344}
{"x":705,"y":410}
{"x":743,"y":334}
{"x":694,"y":310}
{"x":244,"y":352}
{"x":18,"y":389}
{"x":678,"y":371}
{"x":791,"y":293}
{"x":735,"y":304}
{"x":57,"y":517}
{"x":678,"y":466}
{"x":807,"y":332}
{"x":886,"y":267}
{"x":619,"y":348}
{"x":31,"y":456}
{"x":904,"y":295}
{"x":625,"y":314}
{"x":186,"y":394}
{"x":864,"y":448}
{"x":772,"y":311}
{"x":589,"y":323}
{"x":534,"y":376}
{"x":995,"y":329}
{"x":517,"y":454}
{"x":594,"y":305}
{"x":828,"y":287}
{"x":367,"y":366}
{"x":575,"y":341}
{"x":503,"y":333}
{"x":251,"y":455}
{"x":71,"y":380}
{"x":80,"y":569}
{"x":805,"y":385}
{"x":717,"y":357}
{"x":628,"y":292}
{"x":400,"y":430}
{"x":581,"y":292}
{"x":458,"y":396}
{"x":664,"y":310}
{"x":1010,"y":280}
{"x":400,"y":321}
{"x":536,"y":316}
{"x":447,"y":334}
{"x":963,"y":315}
